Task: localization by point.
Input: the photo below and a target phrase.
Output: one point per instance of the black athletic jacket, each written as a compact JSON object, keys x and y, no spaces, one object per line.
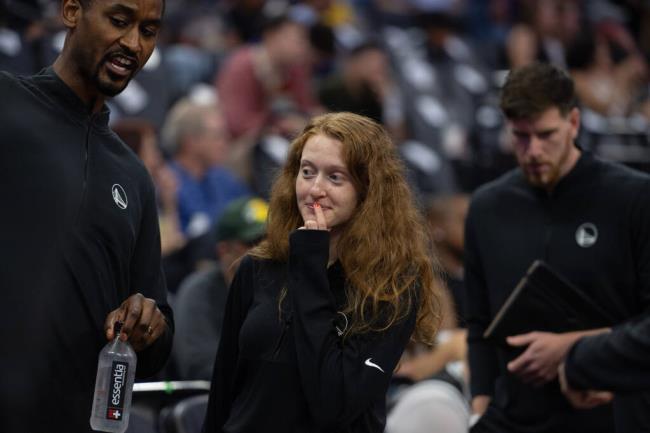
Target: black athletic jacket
{"x":78,"y":235}
{"x":594,"y":229}
{"x":295,"y":374}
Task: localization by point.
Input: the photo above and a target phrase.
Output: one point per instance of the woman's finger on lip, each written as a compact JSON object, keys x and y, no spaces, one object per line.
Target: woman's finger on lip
{"x":320,"y":216}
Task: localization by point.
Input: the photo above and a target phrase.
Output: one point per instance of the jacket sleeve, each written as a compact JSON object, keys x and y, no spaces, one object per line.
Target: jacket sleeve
{"x":222,"y":388}
{"x":340,"y":378}
{"x":483,"y":361}
{"x":618,"y":361}
{"x":147,"y":278}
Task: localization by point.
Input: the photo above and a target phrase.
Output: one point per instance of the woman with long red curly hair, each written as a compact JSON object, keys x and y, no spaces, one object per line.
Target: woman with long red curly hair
{"x":320,"y":312}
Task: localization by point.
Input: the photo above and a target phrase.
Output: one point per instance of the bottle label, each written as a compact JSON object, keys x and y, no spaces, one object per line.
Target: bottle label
{"x":116,"y":391}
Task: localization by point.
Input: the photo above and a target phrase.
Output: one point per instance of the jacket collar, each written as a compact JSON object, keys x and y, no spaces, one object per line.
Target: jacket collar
{"x":564,"y":185}
{"x":579,"y":171}
{"x":63,"y":96}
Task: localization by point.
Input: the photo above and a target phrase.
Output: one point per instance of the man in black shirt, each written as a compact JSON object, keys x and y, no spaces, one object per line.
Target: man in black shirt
{"x":586,"y":218}
{"x":79,"y":243}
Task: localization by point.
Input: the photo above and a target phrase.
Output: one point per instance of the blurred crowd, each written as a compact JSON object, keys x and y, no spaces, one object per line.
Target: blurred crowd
{"x":230,"y":84}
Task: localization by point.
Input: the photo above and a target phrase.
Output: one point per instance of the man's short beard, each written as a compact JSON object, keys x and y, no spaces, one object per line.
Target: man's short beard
{"x":107,"y":88}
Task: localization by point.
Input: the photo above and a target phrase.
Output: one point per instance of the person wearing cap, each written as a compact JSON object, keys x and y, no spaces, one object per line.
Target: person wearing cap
{"x":201,"y":299}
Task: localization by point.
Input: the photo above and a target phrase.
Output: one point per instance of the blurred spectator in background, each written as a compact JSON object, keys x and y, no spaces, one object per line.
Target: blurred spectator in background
{"x":546,"y":29}
{"x":247,"y":18}
{"x":365,"y":86}
{"x":270,"y":152}
{"x":140,"y":136}
{"x":25,"y":35}
{"x":198,"y":41}
{"x":324,"y":55}
{"x":255,"y":76}
{"x":333,"y":13}
{"x":610,"y":73}
{"x":446,"y":217}
{"x":337,"y":15}
{"x":16,"y":55}
{"x":437,"y":376}
{"x":201,"y":299}
{"x":196,"y":138}
{"x":489,"y":23}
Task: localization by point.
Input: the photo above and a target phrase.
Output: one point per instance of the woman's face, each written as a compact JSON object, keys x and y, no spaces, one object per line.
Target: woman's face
{"x":324,"y":179}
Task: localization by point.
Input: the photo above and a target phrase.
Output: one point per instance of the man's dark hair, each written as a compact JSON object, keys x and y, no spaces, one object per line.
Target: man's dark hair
{"x":369,"y":45}
{"x":86,"y":3}
{"x":272,"y":23}
{"x":322,"y":38}
{"x":532,"y":89}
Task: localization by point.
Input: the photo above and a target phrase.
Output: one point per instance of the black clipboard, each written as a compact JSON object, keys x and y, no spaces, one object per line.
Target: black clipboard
{"x":544,"y":300}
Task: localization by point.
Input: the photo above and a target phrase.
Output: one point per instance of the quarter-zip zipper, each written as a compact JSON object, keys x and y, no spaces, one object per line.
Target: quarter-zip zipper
{"x":86,"y":151}
{"x":84,"y":182}
{"x":285,"y":329}
{"x":548,"y":209}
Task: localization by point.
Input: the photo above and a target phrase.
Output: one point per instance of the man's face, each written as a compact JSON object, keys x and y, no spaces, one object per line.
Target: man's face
{"x":213,"y":143}
{"x":112,"y":40}
{"x":291,"y":45}
{"x":371,"y":66}
{"x":544,"y":146}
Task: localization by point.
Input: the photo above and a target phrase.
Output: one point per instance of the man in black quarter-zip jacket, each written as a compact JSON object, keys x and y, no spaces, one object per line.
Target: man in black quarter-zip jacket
{"x":79,"y":240}
{"x":590,"y":221}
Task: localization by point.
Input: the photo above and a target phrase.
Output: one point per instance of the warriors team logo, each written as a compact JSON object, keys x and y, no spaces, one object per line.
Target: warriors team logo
{"x":341,"y":323}
{"x":119,"y":196}
{"x":586,"y":235}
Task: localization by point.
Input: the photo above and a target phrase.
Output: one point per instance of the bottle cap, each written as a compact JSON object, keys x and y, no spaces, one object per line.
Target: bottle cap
{"x":117,"y":328}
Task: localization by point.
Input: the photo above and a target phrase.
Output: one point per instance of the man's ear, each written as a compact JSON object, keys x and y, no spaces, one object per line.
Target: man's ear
{"x":574,"y":118}
{"x":71,"y":11}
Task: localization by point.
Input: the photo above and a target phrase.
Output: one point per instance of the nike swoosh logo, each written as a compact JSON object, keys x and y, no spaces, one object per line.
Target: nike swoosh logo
{"x":369,"y":363}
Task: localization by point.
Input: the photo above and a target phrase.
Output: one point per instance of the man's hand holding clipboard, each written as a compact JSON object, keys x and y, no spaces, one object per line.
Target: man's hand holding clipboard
{"x":544,"y":315}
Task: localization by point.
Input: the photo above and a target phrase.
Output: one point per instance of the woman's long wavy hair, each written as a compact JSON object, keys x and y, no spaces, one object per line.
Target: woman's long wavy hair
{"x":385,"y":249}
